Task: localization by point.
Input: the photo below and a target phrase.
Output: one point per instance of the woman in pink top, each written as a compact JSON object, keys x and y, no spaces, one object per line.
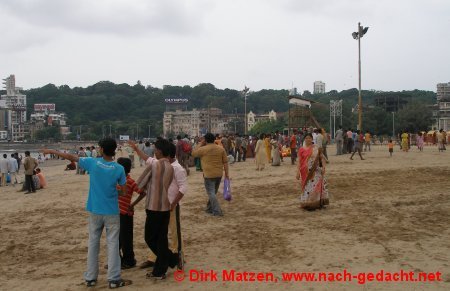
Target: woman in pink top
{"x":41,"y":177}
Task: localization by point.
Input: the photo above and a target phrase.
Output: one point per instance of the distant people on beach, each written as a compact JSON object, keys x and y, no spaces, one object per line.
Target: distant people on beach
{"x":260,"y":153}
{"x":441,"y":140}
{"x":29,"y":164}
{"x":391,"y":147}
{"x":4,"y":168}
{"x":13,"y":169}
{"x":358,"y":140}
{"x":339,"y":139}
{"x":103,"y":206}
{"x":419,"y":141}
{"x":42,"y":180}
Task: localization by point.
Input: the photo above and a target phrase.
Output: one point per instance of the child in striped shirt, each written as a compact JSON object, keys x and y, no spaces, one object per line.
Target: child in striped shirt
{"x":126,"y":217}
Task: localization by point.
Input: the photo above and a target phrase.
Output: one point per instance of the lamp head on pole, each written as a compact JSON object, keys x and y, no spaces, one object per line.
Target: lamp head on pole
{"x":361,"y":31}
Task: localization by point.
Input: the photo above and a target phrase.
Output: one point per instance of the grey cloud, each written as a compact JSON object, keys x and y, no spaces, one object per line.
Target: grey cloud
{"x":125,"y":18}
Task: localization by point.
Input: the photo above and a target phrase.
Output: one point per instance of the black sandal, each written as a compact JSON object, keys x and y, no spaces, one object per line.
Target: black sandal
{"x":119,"y":283}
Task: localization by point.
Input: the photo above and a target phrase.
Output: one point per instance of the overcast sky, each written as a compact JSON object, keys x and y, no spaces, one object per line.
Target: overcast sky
{"x":229,"y":43}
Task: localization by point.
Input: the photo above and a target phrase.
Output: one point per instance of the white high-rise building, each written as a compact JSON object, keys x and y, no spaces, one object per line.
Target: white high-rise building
{"x":319,"y":87}
{"x":15,"y":104}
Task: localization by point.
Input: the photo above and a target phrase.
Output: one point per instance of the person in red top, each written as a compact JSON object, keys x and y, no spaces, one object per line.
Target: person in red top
{"x":293,"y":147}
{"x":126,"y":217}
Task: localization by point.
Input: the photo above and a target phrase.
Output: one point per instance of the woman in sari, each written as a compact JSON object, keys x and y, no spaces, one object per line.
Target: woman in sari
{"x":260,"y":153}
{"x":405,"y":146}
{"x":311,"y":173}
{"x":276,"y":160}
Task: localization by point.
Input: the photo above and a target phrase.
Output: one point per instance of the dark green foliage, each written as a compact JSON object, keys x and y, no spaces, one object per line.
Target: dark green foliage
{"x":127,"y":107}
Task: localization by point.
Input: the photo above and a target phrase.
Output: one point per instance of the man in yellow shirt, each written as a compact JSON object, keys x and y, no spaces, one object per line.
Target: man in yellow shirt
{"x":367,"y":139}
{"x":214,"y":162}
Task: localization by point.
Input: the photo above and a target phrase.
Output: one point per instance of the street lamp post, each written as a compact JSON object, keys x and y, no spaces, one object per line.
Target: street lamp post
{"x":245,"y":93}
{"x":137,"y":131}
{"x":357,"y":35}
{"x":393,"y":124}
{"x":149,"y":126}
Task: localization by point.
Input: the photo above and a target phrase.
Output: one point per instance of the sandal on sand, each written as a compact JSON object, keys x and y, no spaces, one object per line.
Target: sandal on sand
{"x":119,"y":283}
{"x":91,"y":283}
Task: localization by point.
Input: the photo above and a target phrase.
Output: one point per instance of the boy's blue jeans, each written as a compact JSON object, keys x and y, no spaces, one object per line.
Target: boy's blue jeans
{"x":112,"y":226}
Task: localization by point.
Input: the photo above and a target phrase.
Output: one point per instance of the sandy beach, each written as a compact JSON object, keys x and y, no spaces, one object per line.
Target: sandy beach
{"x":385,"y":213}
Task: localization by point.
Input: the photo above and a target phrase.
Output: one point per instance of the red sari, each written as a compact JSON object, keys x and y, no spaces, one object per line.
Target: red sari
{"x":304,"y":154}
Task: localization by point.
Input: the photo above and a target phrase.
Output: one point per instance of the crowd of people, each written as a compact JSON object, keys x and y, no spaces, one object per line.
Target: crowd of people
{"x":10,"y":172}
{"x":164,"y":183}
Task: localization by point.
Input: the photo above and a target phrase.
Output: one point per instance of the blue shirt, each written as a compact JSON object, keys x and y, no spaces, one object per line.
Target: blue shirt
{"x":103,"y":198}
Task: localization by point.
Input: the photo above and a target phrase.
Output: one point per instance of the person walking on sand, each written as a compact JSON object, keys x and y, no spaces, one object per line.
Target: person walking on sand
{"x":311,"y":173}
{"x":276,"y":160}
{"x":359,"y":141}
{"x":339,"y":138}
{"x":404,"y":137}
{"x":29,"y":164}
{"x":215,"y":165}
{"x":419,"y":141}
{"x":391,"y":147}
{"x":4,"y":168}
{"x":106,"y":177}
{"x":13,"y":169}
{"x":440,"y":140}
{"x":260,"y":154}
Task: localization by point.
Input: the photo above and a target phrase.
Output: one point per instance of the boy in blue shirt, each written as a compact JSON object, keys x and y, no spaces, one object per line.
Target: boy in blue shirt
{"x":106,"y":176}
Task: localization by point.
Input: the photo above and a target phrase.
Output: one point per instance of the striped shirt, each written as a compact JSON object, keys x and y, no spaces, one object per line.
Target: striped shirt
{"x":125,"y":200}
{"x":157,"y":184}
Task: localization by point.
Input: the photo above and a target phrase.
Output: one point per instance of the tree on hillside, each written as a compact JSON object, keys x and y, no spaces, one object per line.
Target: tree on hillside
{"x":414,"y":117}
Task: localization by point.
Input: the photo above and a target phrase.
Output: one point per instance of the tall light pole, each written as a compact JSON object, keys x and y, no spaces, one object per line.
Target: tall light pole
{"x":149,"y":126}
{"x":245,"y":93}
{"x":393,"y":124}
{"x":110,"y":130}
{"x":357,"y":35}
{"x":137,"y":131}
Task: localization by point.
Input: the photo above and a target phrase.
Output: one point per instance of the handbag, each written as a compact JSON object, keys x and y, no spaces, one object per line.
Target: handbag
{"x":227,"y":189}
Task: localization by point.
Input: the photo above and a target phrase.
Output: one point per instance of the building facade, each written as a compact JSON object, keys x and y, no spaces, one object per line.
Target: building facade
{"x":47,"y":113}
{"x":15,"y":104}
{"x":319,"y":87}
{"x":197,"y":122}
{"x":194,"y":122}
{"x":442,"y":113}
{"x":253,"y":118}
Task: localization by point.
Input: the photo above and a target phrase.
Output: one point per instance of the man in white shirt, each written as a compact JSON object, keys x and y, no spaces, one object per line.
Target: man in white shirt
{"x":13,"y":168}
{"x":4,"y":168}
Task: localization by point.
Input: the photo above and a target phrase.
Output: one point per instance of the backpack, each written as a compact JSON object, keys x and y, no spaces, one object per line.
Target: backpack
{"x":186,"y":147}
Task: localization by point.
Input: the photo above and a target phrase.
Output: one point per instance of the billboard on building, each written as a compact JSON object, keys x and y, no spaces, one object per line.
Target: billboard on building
{"x":176,"y":100}
{"x":44,"y":107}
